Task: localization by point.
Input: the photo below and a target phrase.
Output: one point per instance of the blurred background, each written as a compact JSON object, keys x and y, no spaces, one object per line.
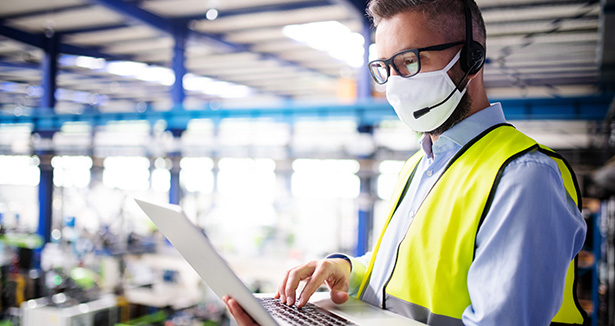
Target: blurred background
{"x":260,"y":119}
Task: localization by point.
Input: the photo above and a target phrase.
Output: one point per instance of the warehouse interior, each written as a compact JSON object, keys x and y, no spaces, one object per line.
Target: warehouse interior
{"x":260,"y":119}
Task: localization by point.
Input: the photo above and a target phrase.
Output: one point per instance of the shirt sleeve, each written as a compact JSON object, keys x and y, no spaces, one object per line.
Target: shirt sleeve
{"x":524,"y":247}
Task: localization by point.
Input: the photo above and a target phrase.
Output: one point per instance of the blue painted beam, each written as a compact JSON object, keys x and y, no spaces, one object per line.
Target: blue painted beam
{"x":175,"y":188}
{"x":50,"y":72}
{"x":364,"y":227}
{"x":364,"y":112}
{"x":169,"y":26}
{"x":45,"y":198}
{"x":35,"y":40}
{"x":178,"y":93}
{"x":93,"y":29}
{"x":130,"y":9}
{"x":38,"y":41}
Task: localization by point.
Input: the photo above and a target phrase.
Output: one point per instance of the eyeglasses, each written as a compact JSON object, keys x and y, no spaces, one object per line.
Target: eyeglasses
{"x":406,"y":63}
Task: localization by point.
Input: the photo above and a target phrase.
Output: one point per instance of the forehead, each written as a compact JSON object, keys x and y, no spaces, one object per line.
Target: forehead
{"x":409,"y":29}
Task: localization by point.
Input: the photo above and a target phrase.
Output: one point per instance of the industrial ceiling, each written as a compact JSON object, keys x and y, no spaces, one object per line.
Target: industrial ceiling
{"x":120,"y":55}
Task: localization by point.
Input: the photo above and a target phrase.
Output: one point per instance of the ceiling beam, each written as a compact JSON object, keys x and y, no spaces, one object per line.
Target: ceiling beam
{"x":38,"y":41}
{"x":365,"y":112}
{"x":170,"y":26}
{"x":94,"y":29}
{"x":133,"y":11}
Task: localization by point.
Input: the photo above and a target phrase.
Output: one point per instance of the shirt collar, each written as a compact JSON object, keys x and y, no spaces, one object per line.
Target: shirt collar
{"x":464,"y":131}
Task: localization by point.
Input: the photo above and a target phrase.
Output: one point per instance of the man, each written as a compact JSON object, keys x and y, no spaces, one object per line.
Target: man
{"x":484,"y":225}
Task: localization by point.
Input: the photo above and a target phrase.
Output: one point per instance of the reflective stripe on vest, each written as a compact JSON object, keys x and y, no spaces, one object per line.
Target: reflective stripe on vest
{"x":429,"y":280}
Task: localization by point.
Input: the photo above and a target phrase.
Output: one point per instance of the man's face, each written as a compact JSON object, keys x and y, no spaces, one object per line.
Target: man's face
{"x":411,"y":30}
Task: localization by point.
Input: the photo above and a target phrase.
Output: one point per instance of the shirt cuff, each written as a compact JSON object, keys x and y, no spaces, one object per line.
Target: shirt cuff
{"x":357,"y":271}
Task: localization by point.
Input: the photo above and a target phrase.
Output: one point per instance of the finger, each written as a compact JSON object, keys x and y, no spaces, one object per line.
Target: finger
{"x":321,"y":273}
{"x":281,"y":294}
{"x":294,"y":277}
{"x":242,"y":318}
{"x":339,"y":297}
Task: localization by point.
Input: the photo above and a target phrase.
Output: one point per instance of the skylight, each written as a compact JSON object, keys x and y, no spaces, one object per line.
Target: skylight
{"x":332,"y":37}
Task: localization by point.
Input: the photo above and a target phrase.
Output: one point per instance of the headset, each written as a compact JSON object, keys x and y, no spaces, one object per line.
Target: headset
{"x":472,"y":55}
{"x":471,"y":59}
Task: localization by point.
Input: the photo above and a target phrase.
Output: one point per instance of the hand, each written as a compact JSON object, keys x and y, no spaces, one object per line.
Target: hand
{"x":240,"y":315}
{"x":335,"y":272}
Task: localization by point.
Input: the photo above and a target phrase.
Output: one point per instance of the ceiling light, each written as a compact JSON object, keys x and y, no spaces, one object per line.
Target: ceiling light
{"x":211,"y":14}
{"x":332,"y":37}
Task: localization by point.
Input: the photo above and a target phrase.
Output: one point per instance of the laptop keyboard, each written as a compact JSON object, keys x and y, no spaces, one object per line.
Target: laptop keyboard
{"x":310,"y":314}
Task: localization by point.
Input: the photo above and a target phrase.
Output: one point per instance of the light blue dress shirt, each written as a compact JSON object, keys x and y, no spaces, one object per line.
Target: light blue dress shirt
{"x":524,"y":246}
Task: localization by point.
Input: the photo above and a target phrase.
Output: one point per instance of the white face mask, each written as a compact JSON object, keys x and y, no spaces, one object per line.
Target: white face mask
{"x":408,"y":95}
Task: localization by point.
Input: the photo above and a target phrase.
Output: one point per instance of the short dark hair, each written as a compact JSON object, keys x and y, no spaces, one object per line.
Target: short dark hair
{"x":451,"y":11}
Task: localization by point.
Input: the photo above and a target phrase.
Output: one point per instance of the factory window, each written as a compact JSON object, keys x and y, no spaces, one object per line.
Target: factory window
{"x":325,"y":178}
{"x":243,"y":215}
{"x":71,"y":171}
{"x":15,"y":138}
{"x":19,"y":170}
{"x":161,"y":176}
{"x":245,"y":177}
{"x":323,"y":136}
{"x":196,"y":174}
{"x":126,"y":173}
{"x":251,"y":132}
{"x":19,"y":178}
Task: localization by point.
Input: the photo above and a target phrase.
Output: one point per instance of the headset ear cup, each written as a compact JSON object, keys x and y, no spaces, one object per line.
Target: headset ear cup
{"x":478,"y":58}
{"x":473,"y":59}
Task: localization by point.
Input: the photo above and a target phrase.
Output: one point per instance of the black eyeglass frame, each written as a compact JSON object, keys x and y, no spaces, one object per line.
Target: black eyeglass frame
{"x":389,"y":62}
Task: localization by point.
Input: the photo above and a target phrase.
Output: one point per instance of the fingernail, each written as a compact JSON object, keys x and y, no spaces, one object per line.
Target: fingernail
{"x":291,"y":301}
{"x":282,"y":298}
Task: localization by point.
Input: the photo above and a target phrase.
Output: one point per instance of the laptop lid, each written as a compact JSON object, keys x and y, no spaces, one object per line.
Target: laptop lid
{"x":194,"y":246}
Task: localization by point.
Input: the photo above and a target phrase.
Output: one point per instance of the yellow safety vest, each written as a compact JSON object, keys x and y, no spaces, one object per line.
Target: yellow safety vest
{"x":429,"y":280}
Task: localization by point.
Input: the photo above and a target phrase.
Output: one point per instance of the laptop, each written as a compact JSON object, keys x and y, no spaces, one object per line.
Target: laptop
{"x":194,"y":246}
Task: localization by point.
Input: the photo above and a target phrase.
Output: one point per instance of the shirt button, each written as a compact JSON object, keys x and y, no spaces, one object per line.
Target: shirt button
{"x":411,"y":213}
{"x":429,"y":173}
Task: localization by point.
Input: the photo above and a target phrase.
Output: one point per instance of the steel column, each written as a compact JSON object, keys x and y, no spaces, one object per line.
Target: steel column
{"x":175,"y":189}
{"x":179,"y":66}
{"x":364,"y":86}
{"x":50,"y":72}
{"x":45,"y":153}
{"x":45,"y":197}
{"x":366,"y":208}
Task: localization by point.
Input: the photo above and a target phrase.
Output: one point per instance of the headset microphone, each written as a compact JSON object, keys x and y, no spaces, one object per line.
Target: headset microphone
{"x":425,"y":110}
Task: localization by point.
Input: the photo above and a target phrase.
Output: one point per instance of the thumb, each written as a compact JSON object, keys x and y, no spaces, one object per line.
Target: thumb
{"x":339,"y":297}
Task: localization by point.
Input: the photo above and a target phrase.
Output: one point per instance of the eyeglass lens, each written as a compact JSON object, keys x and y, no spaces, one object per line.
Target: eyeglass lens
{"x":406,"y":63}
{"x":379,"y":71}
